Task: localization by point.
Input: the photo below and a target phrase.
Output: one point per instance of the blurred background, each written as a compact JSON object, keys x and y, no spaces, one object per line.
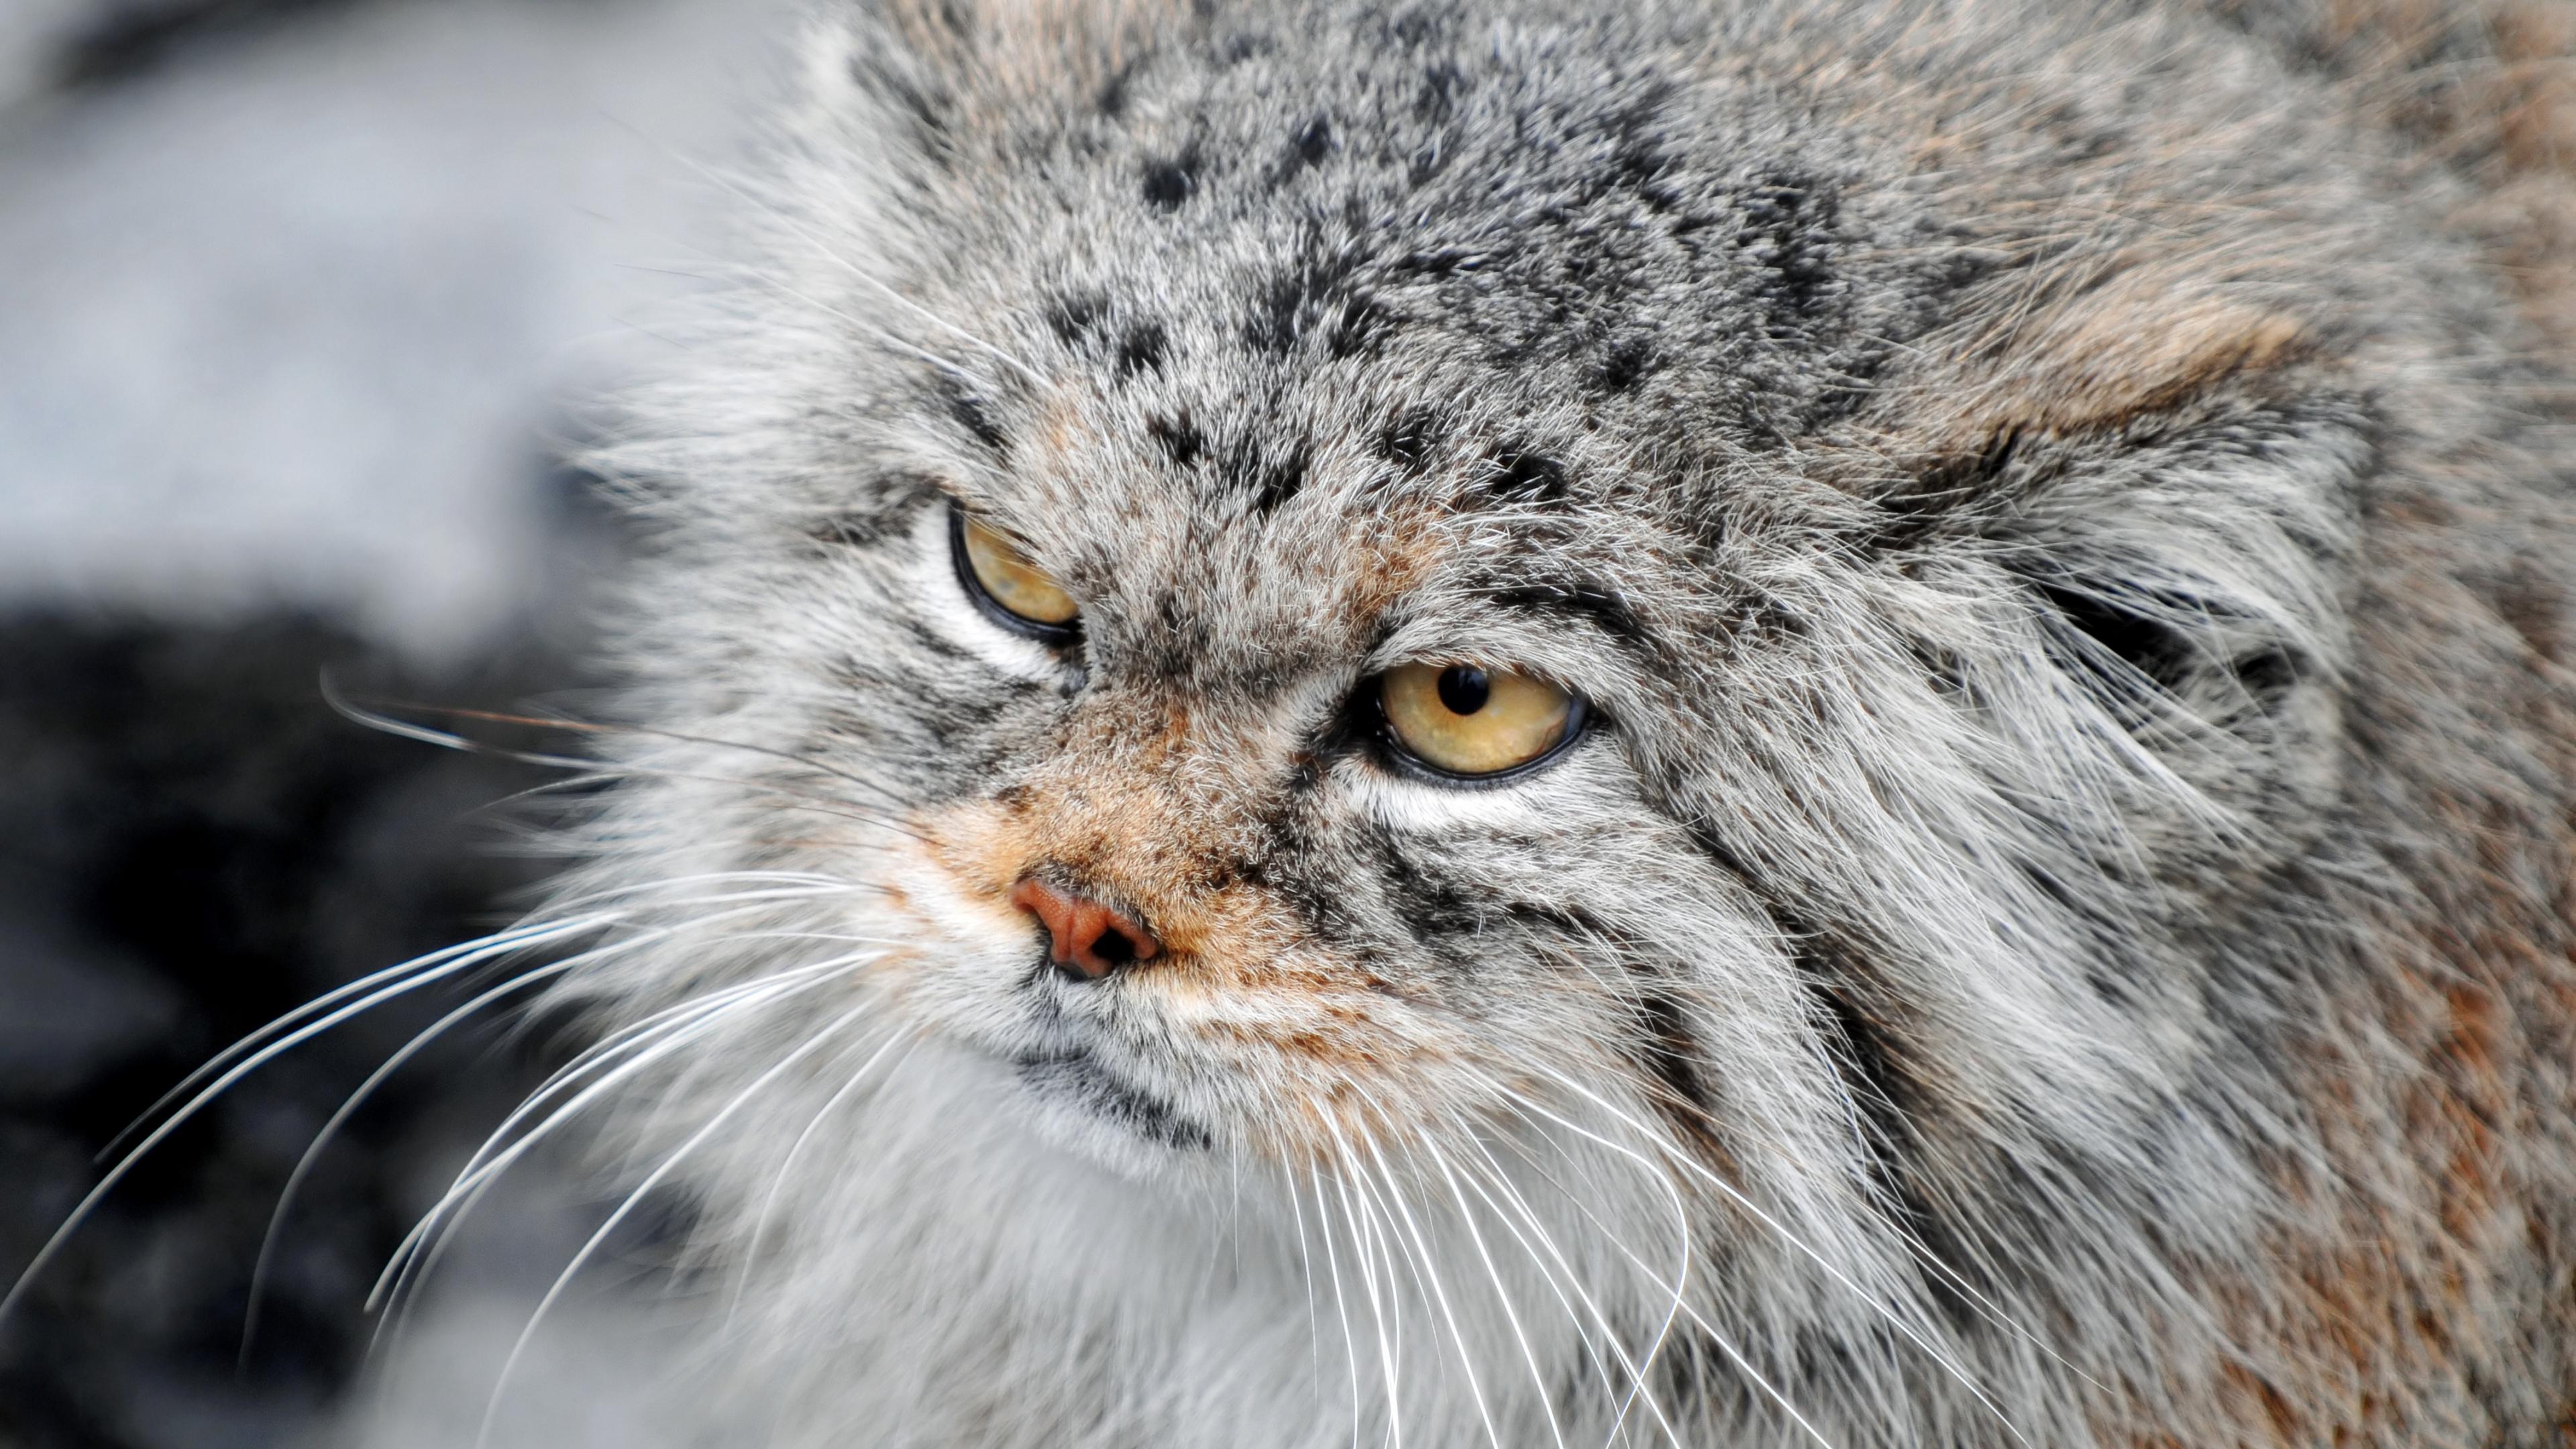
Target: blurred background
{"x":300,"y":304}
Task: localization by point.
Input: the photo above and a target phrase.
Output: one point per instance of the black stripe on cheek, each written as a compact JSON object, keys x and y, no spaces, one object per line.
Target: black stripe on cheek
{"x":1428,"y":907}
{"x":1854,"y":1006}
{"x":1669,"y":1051}
{"x":1865,"y":1042}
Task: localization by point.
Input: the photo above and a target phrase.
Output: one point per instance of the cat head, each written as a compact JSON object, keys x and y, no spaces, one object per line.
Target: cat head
{"x":1330,"y":579}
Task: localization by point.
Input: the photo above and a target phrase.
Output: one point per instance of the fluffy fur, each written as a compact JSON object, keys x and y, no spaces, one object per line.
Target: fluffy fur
{"x":2058,"y":933}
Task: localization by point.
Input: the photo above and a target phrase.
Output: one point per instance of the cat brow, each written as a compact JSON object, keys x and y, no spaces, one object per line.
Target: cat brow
{"x":1595,"y":600}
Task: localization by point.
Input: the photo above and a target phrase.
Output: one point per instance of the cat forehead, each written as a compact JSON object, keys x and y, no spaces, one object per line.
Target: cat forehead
{"x":1520,"y":219}
{"x":1218,"y":533}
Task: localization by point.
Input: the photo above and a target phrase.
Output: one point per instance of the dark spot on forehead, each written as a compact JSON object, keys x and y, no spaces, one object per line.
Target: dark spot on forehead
{"x":1441,"y":83}
{"x":1179,"y":441}
{"x":1112,"y":100}
{"x":1624,"y":364}
{"x":1171,"y":181}
{"x":1315,"y":141}
{"x":1788,"y":232}
{"x":1265,"y":478}
{"x":1358,"y":327}
{"x":1408,"y":440}
{"x":1142,"y":349}
{"x":1438,"y":261}
{"x":1414,"y":27}
{"x":1317,"y":294}
{"x":1307,"y":149}
{"x":1073,"y":316}
{"x":1517,"y":475}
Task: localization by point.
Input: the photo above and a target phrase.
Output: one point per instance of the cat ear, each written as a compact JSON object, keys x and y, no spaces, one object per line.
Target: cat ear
{"x":2108,"y":352}
{"x":2161,"y":478}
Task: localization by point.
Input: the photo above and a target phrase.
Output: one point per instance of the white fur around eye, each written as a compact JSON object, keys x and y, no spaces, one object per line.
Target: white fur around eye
{"x":1589,"y":778}
{"x":955,"y":617}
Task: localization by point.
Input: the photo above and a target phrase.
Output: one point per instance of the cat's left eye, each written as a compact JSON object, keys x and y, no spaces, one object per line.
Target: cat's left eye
{"x":1012,"y":591}
{"x":1470,"y":722}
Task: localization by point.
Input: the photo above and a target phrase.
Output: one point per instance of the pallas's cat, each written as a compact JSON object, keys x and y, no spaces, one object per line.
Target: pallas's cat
{"x":1527,"y":723}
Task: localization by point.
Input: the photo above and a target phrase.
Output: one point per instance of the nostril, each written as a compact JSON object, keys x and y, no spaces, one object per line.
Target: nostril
{"x":1087,"y":940}
{"x":1113,"y":948}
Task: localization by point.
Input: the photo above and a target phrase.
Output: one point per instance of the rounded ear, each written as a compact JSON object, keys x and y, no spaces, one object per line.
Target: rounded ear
{"x":2161,"y":480}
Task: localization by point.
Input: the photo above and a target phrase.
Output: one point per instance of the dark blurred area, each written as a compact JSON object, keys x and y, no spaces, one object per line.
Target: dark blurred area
{"x":192,"y":844}
{"x":298,"y":297}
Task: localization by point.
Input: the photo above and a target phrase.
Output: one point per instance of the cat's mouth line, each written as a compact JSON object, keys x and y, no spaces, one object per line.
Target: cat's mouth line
{"x":1078,"y":1075}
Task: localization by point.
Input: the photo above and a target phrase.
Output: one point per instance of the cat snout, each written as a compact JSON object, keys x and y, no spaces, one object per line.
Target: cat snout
{"x":1089,"y":940}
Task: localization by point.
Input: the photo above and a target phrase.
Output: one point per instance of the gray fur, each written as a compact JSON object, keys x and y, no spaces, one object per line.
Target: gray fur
{"x":2059,"y":934}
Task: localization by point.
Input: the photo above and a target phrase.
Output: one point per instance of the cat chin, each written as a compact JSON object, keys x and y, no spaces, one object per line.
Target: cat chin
{"x":1072,"y":1101}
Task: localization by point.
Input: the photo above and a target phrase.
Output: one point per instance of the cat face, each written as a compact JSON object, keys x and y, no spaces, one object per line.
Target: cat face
{"x":1360,"y":898}
{"x":1457,"y":578}
{"x":1898,"y":698}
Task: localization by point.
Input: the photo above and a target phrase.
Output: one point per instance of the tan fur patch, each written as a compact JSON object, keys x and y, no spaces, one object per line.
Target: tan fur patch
{"x":2134,"y":350}
{"x":2149,"y":340}
{"x":1126,"y":810}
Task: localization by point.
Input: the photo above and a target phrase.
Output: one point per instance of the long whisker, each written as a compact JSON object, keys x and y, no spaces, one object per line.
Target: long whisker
{"x":1306,"y":1263}
{"x":593,"y":771}
{"x":417,"y":1257}
{"x":1430,"y":1273}
{"x":482,"y":948}
{"x":769,"y":1200}
{"x":1341,"y":1304}
{"x":684,"y":1024}
{"x":509,"y":1365}
{"x":1552,"y":1261}
{"x":366,"y":1089}
{"x":1383,"y":1306}
{"x":688,"y":1009}
{"x":369,"y":715}
{"x":1502,"y":1293}
{"x":1885,"y":1311}
{"x":330,"y":1128}
{"x":496,"y":946}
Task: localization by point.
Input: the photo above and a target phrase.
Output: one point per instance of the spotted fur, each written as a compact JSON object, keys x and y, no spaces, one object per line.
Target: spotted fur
{"x":2058,"y":930}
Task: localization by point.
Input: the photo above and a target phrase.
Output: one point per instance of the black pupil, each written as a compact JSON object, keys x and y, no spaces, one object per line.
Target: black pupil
{"x":1464,"y":688}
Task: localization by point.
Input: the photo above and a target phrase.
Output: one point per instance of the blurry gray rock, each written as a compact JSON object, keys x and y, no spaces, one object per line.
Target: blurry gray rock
{"x":298,"y":297}
{"x":66,"y":1012}
{"x":293,"y":315}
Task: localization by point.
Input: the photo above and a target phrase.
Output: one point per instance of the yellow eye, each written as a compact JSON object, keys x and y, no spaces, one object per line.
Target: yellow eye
{"x":1463,"y":720}
{"x":1017,"y":593}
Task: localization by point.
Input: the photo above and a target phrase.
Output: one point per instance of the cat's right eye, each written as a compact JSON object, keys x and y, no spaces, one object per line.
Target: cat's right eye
{"x":1012,"y":592}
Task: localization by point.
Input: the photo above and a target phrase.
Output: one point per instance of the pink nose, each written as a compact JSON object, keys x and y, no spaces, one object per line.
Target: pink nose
{"x":1090,"y":939}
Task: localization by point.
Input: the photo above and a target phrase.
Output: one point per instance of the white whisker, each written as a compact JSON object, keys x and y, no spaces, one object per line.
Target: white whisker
{"x":769,"y":1200}
{"x":652,"y":1180}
